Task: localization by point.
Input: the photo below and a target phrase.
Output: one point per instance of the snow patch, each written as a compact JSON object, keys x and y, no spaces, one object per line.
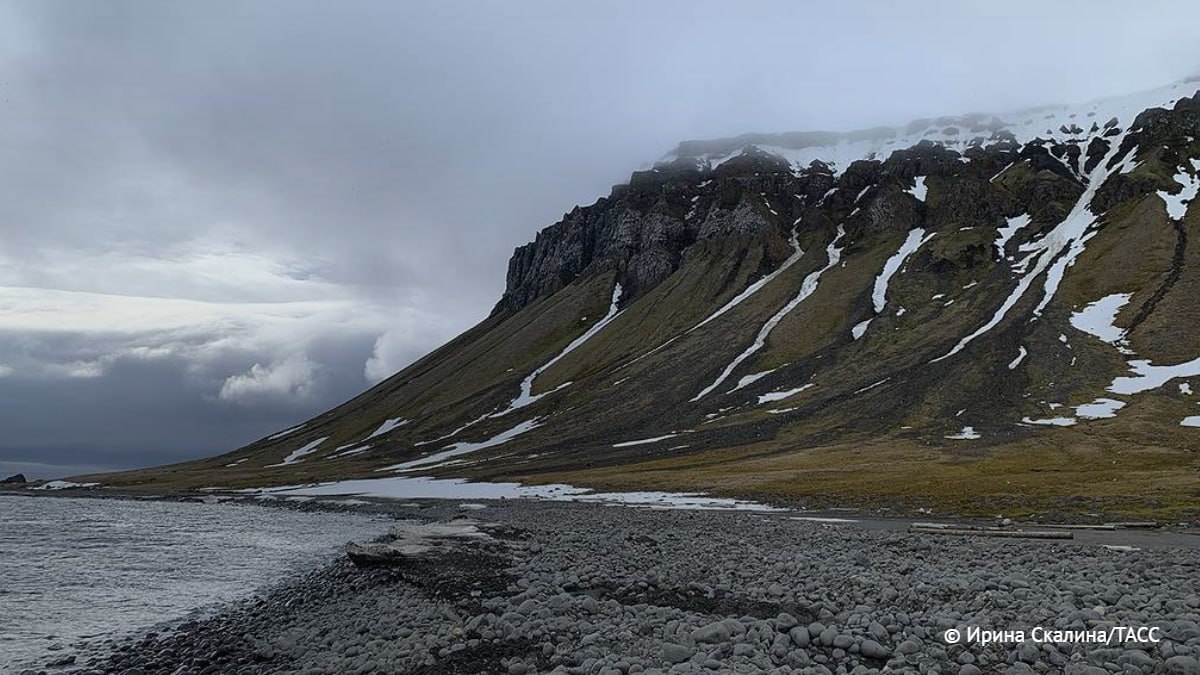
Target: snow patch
{"x":299,"y":453}
{"x":1021,"y":354}
{"x":1097,"y":319}
{"x":420,"y":487}
{"x":1052,"y":123}
{"x":1177,"y":204}
{"x":1147,"y":376}
{"x":387,"y":426}
{"x":1100,"y":409}
{"x":64,"y":485}
{"x":919,"y":190}
{"x":1051,"y":422}
{"x":967,"y":434}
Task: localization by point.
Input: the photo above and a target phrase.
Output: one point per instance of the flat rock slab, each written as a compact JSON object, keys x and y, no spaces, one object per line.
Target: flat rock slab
{"x":410,"y":540}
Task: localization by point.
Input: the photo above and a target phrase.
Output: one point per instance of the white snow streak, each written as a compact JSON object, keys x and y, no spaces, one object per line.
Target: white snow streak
{"x":1054,"y":252}
{"x":527,"y":397}
{"x":352,"y":451}
{"x":807,"y":288}
{"x":869,"y":387}
{"x":644,"y":441}
{"x":916,"y":238}
{"x":750,"y":290}
{"x":1021,"y":354}
{"x":1004,"y":234}
{"x":772,"y":396}
{"x":751,"y":379}
{"x":387,"y":426}
{"x":756,"y":286}
{"x":285,"y":432}
{"x":299,"y":453}
{"x":463,"y":448}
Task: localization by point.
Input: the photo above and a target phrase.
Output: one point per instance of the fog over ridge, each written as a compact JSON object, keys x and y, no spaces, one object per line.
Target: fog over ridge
{"x":218,"y":219}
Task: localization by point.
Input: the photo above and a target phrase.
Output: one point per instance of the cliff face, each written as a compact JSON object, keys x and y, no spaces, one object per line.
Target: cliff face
{"x":1005,"y":302}
{"x":644,"y":230}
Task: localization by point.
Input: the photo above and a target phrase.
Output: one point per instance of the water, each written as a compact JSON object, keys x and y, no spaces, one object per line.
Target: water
{"x":75,"y":570}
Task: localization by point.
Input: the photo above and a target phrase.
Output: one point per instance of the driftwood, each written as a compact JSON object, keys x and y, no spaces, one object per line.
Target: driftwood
{"x":1106,"y":526}
{"x":930,"y":528}
{"x":1120,"y":547}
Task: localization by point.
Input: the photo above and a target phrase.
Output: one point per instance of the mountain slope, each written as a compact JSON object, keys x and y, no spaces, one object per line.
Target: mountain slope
{"x":979,"y":312}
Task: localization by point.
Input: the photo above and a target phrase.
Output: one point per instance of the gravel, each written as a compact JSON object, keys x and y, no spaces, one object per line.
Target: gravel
{"x":592,"y":589}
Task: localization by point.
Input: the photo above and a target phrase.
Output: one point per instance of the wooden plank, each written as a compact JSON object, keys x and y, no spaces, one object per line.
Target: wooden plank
{"x":979,"y":532}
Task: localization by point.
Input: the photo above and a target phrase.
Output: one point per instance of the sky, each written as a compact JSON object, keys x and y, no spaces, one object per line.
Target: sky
{"x":218,"y":219}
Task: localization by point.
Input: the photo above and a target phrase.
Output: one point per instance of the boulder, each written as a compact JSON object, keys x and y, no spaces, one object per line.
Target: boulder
{"x":409,"y":540}
{"x":373,"y":555}
{"x":18,"y":479}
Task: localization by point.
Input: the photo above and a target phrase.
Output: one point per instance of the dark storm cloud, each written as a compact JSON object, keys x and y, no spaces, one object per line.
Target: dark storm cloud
{"x":374,"y":163}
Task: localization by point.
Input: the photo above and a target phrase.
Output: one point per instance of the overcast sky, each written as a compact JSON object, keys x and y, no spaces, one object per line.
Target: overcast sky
{"x":218,"y":218}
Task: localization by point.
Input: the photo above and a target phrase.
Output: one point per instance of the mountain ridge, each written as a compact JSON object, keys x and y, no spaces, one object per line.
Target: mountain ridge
{"x":846,"y":322}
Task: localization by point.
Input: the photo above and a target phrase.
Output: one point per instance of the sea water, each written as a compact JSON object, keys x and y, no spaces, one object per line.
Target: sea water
{"x":77,"y":570}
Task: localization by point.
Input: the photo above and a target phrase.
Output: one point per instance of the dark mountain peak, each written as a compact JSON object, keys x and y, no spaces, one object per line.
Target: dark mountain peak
{"x":980,"y":301}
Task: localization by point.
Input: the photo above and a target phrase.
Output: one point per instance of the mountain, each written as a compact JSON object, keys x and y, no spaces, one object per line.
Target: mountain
{"x":987,"y":313}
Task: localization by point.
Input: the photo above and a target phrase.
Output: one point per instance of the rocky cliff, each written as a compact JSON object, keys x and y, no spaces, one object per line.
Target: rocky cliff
{"x":980,"y":311}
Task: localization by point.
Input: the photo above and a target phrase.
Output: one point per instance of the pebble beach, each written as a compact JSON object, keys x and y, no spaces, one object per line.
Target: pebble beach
{"x":607,"y":590}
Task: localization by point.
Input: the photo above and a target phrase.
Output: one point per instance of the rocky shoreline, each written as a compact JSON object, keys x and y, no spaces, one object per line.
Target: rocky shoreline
{"x":588,"y":588}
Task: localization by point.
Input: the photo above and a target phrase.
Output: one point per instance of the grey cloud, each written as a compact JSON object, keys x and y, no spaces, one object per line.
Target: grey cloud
{"x":397,"y":151}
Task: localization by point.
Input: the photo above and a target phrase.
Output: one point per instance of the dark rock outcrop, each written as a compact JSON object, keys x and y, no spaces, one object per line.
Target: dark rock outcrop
{"x":643,"y":229}
{"x":18,"y":479}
